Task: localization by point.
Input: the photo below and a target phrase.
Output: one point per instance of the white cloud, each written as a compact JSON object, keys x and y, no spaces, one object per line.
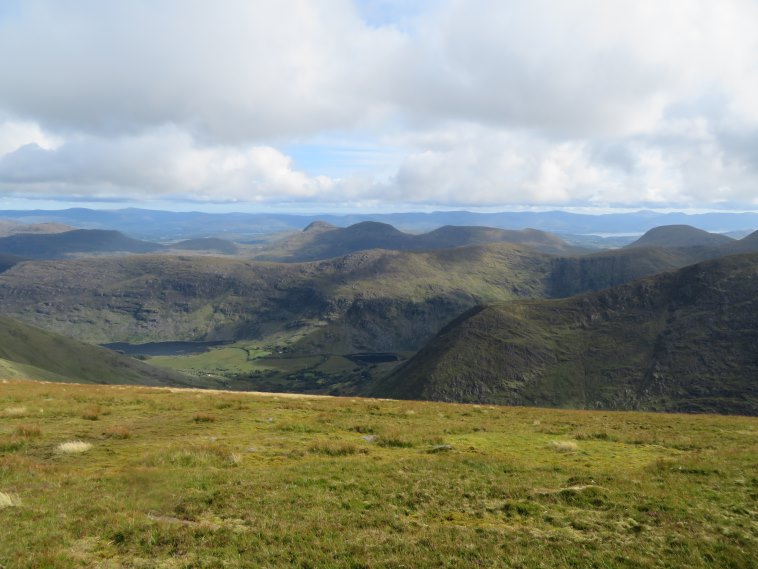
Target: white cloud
{"x":165,"y":162}
{"x":492,"y":168}
{"x":491,"y":102}
{"x":231,"y":71}
{"x":15,"y":134}
{"x":581,"y":68}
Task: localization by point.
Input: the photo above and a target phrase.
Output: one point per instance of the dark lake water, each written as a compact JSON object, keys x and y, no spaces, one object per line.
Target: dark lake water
{"x":163,"y":348}
{"x":373,"y":358}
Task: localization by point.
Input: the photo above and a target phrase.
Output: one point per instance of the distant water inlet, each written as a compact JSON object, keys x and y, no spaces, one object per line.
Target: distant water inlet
{"x":163,"y":348}
{"x":373,"y":358}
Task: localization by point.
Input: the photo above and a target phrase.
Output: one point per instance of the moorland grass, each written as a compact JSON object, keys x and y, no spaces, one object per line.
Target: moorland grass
{"x":286,"y":481}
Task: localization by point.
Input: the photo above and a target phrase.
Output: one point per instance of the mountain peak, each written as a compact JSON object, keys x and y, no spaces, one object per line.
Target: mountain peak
{"x":318,"y":225}
{"x":680,"y":236}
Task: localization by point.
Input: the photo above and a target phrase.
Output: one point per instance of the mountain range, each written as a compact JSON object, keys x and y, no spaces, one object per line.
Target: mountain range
{"x":321,"y":240}
{"x":171,"y":226}
{"x":366,"y":301}
{"x":680,"y":341}
{"x":370,"y":291}
{"x":56,"y":245}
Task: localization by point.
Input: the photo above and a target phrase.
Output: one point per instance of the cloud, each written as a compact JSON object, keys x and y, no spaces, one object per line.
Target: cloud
{"x":242,"y":71}
{"x":232,"y":72}
{"x":15,"y":134}
{"x":685,"y":163}
{"x":162,"y":163}
{"x":583,"y":68}
{"x":472,"y":102}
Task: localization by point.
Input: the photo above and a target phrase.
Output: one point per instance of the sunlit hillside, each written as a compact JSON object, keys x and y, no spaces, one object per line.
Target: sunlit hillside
{"x":112,"y":476}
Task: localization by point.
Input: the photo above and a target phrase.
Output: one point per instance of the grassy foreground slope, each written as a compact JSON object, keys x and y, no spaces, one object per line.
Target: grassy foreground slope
{"x":172,"y":478}
{"x":29,"y":352}
{"x":681,"y":341}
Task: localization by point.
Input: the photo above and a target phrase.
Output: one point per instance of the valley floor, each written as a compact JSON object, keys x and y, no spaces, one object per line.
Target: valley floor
{"x":187,"y":478}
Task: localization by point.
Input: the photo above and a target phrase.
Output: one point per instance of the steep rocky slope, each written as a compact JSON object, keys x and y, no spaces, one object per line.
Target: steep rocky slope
{"x":680,"y":341}
{"x":376,"y":300}
{"x":367,"y":301}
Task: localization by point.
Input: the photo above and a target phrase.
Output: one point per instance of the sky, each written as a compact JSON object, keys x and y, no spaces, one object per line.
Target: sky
{"x":379,"y":105}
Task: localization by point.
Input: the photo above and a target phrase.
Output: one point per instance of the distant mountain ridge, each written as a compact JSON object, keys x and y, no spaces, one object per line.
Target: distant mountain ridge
{"x":694,"y":244}
{"x":375,"y":300}
{"x":97,"y":241}
{"x":680,"y":341}
{"x":320,"y":240}
{"x":366,"y":301}
{"x":8,"y":227}
{"x":206,"y":244}
{"x":57,"y":245}
{"x":680,"y":236}
{"x":168,"y":226}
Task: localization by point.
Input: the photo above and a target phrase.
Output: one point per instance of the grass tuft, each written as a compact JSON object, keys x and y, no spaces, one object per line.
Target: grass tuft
{"x":74,"y":447}
{"x":203,"y":418}
{"x":91,"y":413}
{"x":117,"y":432}
{"x":8,"y":501}
{"x":564,"y":446}
{"x":201,"y":455}
{"x":364,"y":429}
{"x":595,"y":436}
{"x":394,"y":441}
{"x":28,"y":430}
{"x":15,"y":411}
{"x":336,"y":449}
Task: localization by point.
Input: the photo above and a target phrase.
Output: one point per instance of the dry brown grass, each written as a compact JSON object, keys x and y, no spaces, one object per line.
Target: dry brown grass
{"x":8,"y":501}
{"x":28,"y":430}
{"x":74,"y":447}
{"x":91,"y":413}
{"x":203,"y":418}
{"x":564,"y":446}
{"x":117,"y":432}
{"x":15,"y":411}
